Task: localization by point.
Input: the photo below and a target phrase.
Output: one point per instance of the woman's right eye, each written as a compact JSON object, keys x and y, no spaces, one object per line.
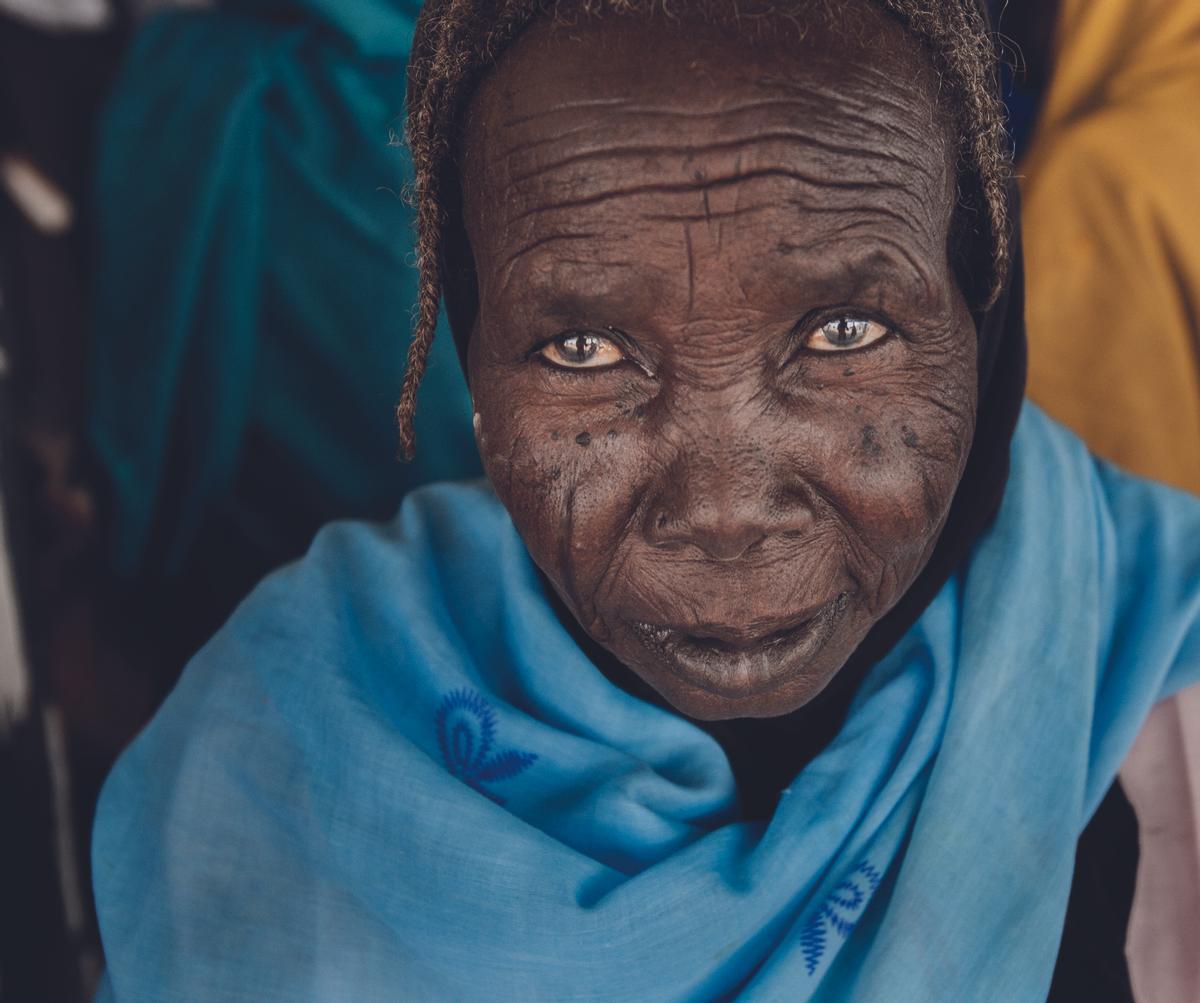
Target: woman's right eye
{"x":582,"y":350}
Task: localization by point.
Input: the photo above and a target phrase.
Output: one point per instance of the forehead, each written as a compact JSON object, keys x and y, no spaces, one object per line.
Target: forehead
{"x":793,"y":135}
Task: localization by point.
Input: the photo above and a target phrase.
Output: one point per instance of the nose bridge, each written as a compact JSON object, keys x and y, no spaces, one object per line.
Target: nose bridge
{"x":718,"y":490}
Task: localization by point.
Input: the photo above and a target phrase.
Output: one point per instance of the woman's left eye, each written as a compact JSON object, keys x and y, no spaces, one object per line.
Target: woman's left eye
{"x":843,"y":334}
{"x":582,"y":350}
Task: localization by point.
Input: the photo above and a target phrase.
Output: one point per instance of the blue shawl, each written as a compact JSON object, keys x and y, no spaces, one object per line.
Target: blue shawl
{"x":393,"y":775}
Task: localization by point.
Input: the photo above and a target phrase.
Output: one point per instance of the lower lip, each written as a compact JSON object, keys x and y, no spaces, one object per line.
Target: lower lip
{"x":729,"y":673}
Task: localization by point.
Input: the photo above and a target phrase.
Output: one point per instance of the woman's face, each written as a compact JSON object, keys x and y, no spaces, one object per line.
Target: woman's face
{"x":724,"y":378}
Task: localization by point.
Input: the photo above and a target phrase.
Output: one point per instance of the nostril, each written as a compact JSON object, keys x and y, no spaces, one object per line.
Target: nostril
{"x":719,"y":539}
{"x":755,"y":546}
{"x":731,"y":547}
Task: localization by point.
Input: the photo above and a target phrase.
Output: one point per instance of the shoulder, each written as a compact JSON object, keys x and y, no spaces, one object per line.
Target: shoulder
{"x":1053,"y":501}
{"x":1079,"y":543}
{"x":440,"y":525}
{"x":1100,"y":566}
{"x":294,"y":710}
{"x":1055,"y":479}
{"x":364,"y":595}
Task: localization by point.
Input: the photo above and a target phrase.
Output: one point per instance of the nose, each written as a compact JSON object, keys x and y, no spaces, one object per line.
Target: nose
{"x":725,"y":507}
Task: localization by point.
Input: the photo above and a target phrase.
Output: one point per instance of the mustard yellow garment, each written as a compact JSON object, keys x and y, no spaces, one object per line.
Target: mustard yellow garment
{"x":1111,"y":218}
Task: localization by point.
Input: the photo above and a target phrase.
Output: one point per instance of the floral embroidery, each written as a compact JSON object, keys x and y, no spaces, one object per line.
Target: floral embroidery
{"x":466,"y":727}
{"x":839,"y":914}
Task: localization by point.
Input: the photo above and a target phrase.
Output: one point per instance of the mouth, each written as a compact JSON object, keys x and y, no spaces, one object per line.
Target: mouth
{"x":733,"y":662}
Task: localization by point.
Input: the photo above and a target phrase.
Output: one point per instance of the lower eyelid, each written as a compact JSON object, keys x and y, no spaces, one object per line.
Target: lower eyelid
{"x":883,"y":339}
{"x":572,"y":371}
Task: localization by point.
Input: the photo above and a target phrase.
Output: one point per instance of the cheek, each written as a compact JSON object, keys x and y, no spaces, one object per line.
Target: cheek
{"x":571,"y":477}
{"x":900,"y":447}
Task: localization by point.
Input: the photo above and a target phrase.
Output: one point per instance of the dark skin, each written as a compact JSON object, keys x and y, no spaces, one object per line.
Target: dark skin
{"x":724,"y":378}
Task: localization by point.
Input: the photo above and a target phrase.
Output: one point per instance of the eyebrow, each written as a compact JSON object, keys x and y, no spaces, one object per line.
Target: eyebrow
{"x":539,"y":242}
{"x":573,"y":286}
{"x":883,"y":260}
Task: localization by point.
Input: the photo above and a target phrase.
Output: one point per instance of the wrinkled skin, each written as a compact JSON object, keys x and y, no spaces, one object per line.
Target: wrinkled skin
{"x":725,"y":507}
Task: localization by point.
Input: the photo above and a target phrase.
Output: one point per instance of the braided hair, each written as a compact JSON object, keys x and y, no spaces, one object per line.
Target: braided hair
{"x":457,"y":41}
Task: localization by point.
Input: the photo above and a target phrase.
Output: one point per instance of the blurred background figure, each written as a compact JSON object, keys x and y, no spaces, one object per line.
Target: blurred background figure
{"x":1111,"y":213}
{"x":254,"y":290}
{"x":205,"y":299}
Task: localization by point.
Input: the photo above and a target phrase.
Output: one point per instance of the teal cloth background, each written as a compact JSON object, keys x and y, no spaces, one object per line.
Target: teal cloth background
{"x":255,"y":280}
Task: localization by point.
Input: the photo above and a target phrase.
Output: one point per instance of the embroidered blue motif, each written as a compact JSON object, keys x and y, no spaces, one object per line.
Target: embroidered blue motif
{"x":839,"y":914}
{"x":466,"y":727}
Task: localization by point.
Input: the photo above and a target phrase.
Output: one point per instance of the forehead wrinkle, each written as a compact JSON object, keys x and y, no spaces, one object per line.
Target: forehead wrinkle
{"x":863,"y":212}
{"x":809,"y":110}
{"x":630,"y":107}
{"x":865,"y":247}
{"x":813,"y":109}
{"x":687,"y":153}
{"x":866,"y":107}
{"x":576,"y":105}
{"x":856,"y":215}
{"x":854,"y":167}
{"x":700,"y":187}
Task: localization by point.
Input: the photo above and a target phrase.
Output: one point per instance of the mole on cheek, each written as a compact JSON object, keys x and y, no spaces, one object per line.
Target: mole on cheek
{"x":584,"y":438}
{"x":870,"y":443}
{"x":909,"y":437}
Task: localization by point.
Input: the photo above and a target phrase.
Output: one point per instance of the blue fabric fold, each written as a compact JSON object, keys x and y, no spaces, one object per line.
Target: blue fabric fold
{"x":393,"y":775}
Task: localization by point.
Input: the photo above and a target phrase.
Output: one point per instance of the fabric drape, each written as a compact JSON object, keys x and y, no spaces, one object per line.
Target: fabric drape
{"x":395,"y":773}
{"x":255,"y":280}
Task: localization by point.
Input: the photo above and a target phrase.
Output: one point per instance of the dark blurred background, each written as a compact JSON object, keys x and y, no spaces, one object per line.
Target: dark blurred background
{"x":205,"y":292}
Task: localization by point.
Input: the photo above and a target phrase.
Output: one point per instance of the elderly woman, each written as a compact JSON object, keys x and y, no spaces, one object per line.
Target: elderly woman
{"x":755,"y":669}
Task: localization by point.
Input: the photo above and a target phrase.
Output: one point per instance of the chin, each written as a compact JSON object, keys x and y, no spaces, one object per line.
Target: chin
{"x":709,"y":677}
